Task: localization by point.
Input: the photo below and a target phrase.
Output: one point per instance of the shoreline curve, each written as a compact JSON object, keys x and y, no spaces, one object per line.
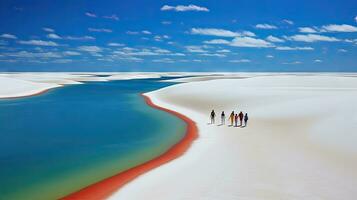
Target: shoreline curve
{"x":40,"y":92}
{"x":105,"y":188}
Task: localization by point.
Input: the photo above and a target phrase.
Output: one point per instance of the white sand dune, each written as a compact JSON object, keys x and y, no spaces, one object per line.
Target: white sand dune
{"x":30,"y":83}
{"x":300,"y":142}
{"x":11,"y":87}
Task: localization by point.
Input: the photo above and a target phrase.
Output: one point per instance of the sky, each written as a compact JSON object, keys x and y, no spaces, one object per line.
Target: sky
{"x":205,"y":35}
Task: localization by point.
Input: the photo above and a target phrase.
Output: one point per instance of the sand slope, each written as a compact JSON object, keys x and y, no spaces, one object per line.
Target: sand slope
{"x":300,"y":142}
{"x":11,"y":87}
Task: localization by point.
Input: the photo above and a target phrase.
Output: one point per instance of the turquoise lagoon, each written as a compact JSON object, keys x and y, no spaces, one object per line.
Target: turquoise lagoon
{"x":61,"y":141}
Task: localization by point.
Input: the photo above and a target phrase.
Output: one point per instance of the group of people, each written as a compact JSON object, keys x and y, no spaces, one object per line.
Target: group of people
{"x":233,"y":118}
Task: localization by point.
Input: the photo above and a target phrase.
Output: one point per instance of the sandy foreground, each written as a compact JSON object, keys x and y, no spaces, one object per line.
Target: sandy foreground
{"x":300,"y":142}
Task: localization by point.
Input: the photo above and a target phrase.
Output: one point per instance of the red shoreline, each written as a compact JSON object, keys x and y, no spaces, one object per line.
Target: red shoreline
{"x":29,"y":95}
{"x":105,"y":188}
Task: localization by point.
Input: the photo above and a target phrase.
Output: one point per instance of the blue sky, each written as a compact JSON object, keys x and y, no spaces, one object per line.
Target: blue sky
{"x":147,"y":35}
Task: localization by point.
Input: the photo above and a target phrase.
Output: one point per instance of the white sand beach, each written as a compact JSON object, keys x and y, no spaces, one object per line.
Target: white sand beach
{"x":299,"y":144}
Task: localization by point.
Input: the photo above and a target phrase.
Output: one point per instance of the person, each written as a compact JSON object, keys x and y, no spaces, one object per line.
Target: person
{"x":236,"y":120}
{"x":213,"y":115}
{"x":245,"y":119}
{"x":231,"y":117}
{"x":241,"y":118}
{"x":223,"y":118}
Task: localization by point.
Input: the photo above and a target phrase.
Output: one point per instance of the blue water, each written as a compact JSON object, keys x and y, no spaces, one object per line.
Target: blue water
{"x":61,"y":141}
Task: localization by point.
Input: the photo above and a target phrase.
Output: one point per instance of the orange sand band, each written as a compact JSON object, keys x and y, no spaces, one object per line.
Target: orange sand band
{"x":28,"y":95}
{"x":105,"y":188}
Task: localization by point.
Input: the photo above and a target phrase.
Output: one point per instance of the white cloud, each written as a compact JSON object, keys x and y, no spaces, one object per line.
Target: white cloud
{"x":112,"y":17}
{"x":159,"y":50}
{"x":90,"y":14}
{"x":132,"y":32}
{"x":113,"y":44}
{"x":312,"y":38}
{"x":213,"y":54}
{"x":8,"y":36}
{"x":143,"y":53}
{"x":133,"y":59}
{"x":274,"y":39}
{"x":79,"y":38}
{"x":338,"y":28}
{"x":100,"y":30}
{"x":342,"y":50}
{"x":196,"y":49}
{"x":318,"y":61}
{"x":159,"y":38}
{"x":71,"y":53}
{"x":223,"y":51}
{"x":250,"y":42}
{"x":351,"y":40}
{"x":217,"y":41}
{"x":329,"y":28}
{"x":288,"y":21}
{"x":54,"y":36}
{"x":269,"y":56}
{"x":38,"y":43}
{"x":50,"y":30}
{"x":153,"y":51}
{"x":292,"y":63}
{"x":240,"y":61}
{"x":62,"y":61}
{"x":265,"y":26}
{"x":356,"y":19}
{"x":146,"y":32}
{"x":284,"y":48}
{"x":26,"y":54}
{"x":166,"y":22}
{"x":242,"y":42}
{"x":129,"y":49}
{"x":91,"y":49}
{"x":248,"y":33}
{"x":164,"y":60}
{"x":122,"y":55}
{"x":219,"y":32}
{"x":182,"y":8}
{"x":96,"y":54}
{"x":176,"y":54}
{"x":307,"y":30}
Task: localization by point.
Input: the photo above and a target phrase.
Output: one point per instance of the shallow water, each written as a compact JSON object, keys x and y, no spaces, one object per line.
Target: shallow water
{"x":61,"y":141}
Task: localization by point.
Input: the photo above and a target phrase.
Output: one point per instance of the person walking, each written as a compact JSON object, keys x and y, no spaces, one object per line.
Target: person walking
{"x":241,"y":115}
{"x":236,"y":120}
{"x":223,"y":118}
{"x":213,"y":115}
{"x":245,"y":119}
{"x":231,"y":117}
